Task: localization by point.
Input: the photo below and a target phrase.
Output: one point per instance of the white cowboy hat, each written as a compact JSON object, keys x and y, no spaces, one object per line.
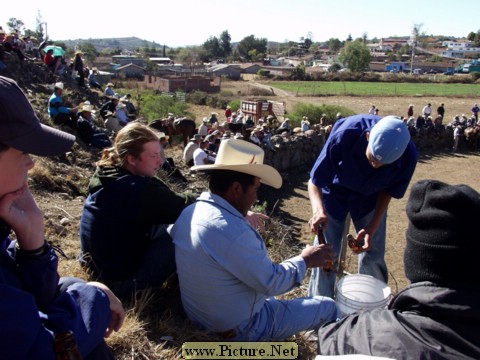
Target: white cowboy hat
{"x":245,"y":157}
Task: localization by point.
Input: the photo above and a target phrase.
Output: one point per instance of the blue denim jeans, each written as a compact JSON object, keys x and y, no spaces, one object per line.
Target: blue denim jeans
{"x":281,"y":319}
{"x":371,"y":262}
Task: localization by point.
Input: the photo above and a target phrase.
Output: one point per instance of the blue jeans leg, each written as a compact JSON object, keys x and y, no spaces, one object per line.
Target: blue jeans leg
{"x":372,"y":262}
{"x":281,"y":319}
{"x":322,"y":283}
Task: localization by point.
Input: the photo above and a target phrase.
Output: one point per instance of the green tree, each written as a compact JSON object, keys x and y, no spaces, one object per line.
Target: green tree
{"x":298,"y":73}
{"x":250,"y":43}
{"x":16,"y":25}
{"x":355,"y":56}
{"x":334,"y":45}
{"x":89,"y":51}
{"x":471,"y":36}
{"x":226,"y":43}
{"x":212,"y":49}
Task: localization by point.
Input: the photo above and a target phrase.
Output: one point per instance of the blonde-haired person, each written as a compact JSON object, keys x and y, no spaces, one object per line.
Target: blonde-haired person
{"x":123,"y":234}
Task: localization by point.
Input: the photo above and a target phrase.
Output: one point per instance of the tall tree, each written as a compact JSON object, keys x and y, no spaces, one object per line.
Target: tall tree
{"x":212,"y":49}
{"x":39,"y":34}
{"x":355,"y":56}
{"x":226,"y":43}
{"x":250,"y":43}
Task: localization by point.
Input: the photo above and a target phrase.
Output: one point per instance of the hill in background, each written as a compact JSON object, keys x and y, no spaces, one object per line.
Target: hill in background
{"x":125,"y":43}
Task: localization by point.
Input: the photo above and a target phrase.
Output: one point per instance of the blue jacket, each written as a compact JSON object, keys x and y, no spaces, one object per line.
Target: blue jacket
{"x":118,"y":216}
{"x":56,"y":105}
{"x":31,"y":310}
{"x":349,"y":183}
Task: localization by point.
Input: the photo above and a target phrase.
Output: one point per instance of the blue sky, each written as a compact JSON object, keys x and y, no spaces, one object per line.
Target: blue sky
{"x":191,"y":22}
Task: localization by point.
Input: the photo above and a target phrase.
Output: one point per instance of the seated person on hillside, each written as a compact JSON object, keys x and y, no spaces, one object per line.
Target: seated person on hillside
{"x":109,"y":90}
{"x":92,"y":79}
{"x":123,"y":234}
{"x":121,"y":113}
{"x":111,"y":123}
{"x":192,"y":145}
{"x":203,"y":128}
{"x":228,"y":283}
{"x":201,"y":155}
{"x":88,"y":131}
{"x":110,"y":105}
{"x":36,"y":304}
{"x":437,"y":316}
{"x":131,"y":109}
{"x":49,"y":60}
{"x":58,"y":111}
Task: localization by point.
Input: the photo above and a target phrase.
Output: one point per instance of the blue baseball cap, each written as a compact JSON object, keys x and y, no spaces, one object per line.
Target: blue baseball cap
{"x":389,"y":139}
{"x":20,"y":127}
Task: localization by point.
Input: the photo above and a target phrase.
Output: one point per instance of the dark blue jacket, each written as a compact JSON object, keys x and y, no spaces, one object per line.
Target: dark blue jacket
{"x":32,"y":310}
{"x":118,"y":216}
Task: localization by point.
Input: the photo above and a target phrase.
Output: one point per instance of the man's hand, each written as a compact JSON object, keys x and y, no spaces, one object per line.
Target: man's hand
{"x":19,"y":210}
{"x":116,"y":307}
{"x":257,"y":220}
{"x":319,"y":256}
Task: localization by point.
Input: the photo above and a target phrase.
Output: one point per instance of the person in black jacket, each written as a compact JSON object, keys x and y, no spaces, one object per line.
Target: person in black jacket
{"x":438,"y":315}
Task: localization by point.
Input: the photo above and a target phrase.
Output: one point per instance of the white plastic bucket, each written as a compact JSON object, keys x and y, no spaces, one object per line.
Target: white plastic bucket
{"x":361,"y":292}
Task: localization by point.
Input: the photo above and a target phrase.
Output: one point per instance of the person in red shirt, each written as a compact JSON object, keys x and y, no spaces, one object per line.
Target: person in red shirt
{"x":228,"y":112}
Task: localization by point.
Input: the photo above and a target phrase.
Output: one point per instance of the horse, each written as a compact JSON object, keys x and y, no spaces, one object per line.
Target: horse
{"x":472,"y":136}
{"x":179,"y":126}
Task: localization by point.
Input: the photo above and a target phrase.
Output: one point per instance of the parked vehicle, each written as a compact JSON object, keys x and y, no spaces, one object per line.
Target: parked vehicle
{"x":432,"y":71}
{"x":417,"y":71}
{"x":448,"y":72}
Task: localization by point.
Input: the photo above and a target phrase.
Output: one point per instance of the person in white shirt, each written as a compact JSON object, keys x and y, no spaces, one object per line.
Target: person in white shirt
{"x":192,"y":145}
{"x":203,"y":129}
{"x":201,"y":156}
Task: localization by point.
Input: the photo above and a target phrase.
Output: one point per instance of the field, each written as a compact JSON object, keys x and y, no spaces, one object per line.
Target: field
{"x":341,"y":88}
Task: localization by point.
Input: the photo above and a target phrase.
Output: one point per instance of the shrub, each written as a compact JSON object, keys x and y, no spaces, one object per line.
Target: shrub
{"x":234,"y":105}
{"x":155,"y":105}
{"x":475,"y":75}
{"x":197,"y":97}
{"x":315,"y":112}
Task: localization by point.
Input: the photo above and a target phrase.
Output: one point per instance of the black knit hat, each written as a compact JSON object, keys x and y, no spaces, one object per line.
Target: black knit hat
{"x":443,"y":241}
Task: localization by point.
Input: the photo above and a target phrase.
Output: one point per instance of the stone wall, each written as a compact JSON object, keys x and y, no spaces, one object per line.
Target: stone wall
{"x":299,"y":151}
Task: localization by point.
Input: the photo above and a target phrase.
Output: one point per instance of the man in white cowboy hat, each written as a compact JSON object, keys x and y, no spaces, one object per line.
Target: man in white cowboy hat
{"x":227,"y":280}
{"x":88,"y":132}
{"x":203,"y":128}
{"x":109,"y":90}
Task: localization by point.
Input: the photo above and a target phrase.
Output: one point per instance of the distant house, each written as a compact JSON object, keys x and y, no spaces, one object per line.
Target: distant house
{"x":249,"y":68}
{"x":459,"y":50}
{"x":120,"y":60}
{"x":230,"y":71}
{"x":129,"y":71}
{"x":172,"y":84}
